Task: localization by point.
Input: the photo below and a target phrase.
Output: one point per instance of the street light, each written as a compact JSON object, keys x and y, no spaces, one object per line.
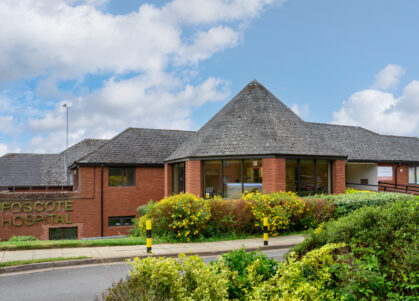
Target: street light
{"x":66,"y":107}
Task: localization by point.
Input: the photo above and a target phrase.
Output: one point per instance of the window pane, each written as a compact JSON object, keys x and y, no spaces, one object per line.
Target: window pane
{"x":63,"y":233}
{"x":417,"y":174}
{"x":252,"y":175}
{"x":182,"y":177}
{"x":129,"y":176}
{"x":178,"y":174}
{"x":212,"y":178}
{"x":412,"y":175}
{"x":70,"y":233}
{"x":292,"y":175}
{"x":232,"y":178}
{"x":115,"y":176}
{"x":306,"y":177}
{"x":323,"y":176}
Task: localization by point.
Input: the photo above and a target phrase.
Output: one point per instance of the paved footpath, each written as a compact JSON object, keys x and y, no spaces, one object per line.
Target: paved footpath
{"x":120,"y":253}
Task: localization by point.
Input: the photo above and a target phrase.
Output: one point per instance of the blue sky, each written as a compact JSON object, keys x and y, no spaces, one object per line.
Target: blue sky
{"x":174,"y":64}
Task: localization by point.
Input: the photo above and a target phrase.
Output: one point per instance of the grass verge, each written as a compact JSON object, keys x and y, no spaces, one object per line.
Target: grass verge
{"x":124,"y":241}
{"x":29,"y":261}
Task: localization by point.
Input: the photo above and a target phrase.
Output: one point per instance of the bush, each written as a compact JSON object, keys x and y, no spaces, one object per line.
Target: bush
{"x":183,"y":278}
{"x":283,"y":210}
{"x":244,"y":270}
{"x":310,"y":278}
{"x":382,"y":259}
{"x":316,"y":211}
{"x":346,"y":203}
{"x":221,"y":217}
{"x":23,"y":238}
{"x":181,"y":217}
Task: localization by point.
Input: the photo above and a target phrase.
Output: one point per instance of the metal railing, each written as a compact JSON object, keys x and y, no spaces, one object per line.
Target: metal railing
{"x":391,"y":187}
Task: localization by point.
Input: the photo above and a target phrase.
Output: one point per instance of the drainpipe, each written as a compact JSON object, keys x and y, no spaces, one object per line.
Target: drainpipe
{"x":101,"y":201}
{"x":395,"y":176}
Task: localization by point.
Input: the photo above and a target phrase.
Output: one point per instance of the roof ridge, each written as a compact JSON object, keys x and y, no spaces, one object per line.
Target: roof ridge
{"x":153,"y":129}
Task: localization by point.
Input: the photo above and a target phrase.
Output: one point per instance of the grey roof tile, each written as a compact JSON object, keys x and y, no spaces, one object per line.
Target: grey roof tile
{"x":42,"y":169}
{"x":256,"y":123}
{"x":137,"y":146}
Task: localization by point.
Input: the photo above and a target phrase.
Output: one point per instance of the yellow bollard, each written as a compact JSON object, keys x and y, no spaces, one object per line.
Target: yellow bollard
{"x":148,"y":232}
{"x":265,"y":231}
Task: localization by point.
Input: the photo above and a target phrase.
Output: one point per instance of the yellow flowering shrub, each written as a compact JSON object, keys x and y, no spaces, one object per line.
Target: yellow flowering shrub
{"x":181,"y":216}
{"x":310,"y":278}
{"x":283,"y":210}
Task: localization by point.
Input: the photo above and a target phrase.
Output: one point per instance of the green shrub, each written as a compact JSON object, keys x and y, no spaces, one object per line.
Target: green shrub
{"x":23,"y":238}
{"x":346,"y":203}
{"x":310,"y":278}
{"x":182,"y":217}
{"x":182,"y":278}
{"x":244,"y":270}
{"x":382,"y":260}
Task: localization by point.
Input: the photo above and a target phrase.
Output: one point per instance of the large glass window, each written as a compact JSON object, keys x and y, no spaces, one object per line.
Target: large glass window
{"x":121,"y":176}
{"x":308,"y":177}
{"x":178,"y":177}
{"x":292,"y":174}
{"x":232,"y":179}
{"x":252,"y":175}
{"x":414,"y":175}
{"x":323,"y":178}
{"x":212,"y":178}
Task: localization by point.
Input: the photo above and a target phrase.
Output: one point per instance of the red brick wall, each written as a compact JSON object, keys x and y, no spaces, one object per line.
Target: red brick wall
{"x":124,"y":201}
{"x":85,"y":214}
{"x":338,"y":172}
{"x":167,"y":180}
{"x":402,"y":176}
{"x":273,"y":175}
{"x":193,"y":177}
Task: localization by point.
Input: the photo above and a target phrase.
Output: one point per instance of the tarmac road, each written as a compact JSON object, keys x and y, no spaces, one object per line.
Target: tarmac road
{"x":73,"y":283}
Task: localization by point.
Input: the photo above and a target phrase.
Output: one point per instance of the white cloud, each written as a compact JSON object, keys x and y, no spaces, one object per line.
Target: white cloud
{"x":7,"y":124}
{"x":388,"y":78}
{"x":4,"y":149}
{"x":382,"y":112}
{"x":151,"y":56}
{"x":55,"y":37}
{"x":302,"y":112}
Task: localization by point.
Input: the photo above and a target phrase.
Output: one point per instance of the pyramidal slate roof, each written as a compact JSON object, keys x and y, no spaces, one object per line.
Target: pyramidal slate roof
{"x":257,"y":123}
{"x":42,"y":169}
{"x":254,"y":122}
{"x":137,"y":146}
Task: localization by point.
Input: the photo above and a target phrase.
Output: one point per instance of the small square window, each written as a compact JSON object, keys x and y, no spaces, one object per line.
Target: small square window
{"x":121,"y":176}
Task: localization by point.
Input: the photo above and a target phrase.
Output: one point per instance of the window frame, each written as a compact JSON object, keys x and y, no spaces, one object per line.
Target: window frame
{"x":415,"y":175}
{"x":121,"y":218}
{"x":242,"y":181}
{"x":178,"y":164}
{"x":316,"y":186}
{"x":123,"y":169}
{"x":62,"y":234}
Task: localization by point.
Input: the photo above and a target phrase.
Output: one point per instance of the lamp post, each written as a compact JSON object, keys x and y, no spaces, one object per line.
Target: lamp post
{"x":66,"y":107}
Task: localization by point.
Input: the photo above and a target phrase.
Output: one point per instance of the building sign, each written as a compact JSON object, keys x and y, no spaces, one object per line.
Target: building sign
{"x":20,"y":213}
{"x":385,"y":173}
